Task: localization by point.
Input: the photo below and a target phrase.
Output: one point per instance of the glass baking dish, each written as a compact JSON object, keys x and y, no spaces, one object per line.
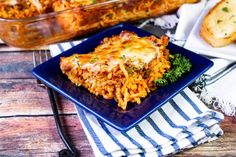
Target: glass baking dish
{"x":65,"y":19}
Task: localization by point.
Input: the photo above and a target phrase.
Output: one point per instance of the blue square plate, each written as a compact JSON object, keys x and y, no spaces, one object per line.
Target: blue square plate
{"x":49,"y":73}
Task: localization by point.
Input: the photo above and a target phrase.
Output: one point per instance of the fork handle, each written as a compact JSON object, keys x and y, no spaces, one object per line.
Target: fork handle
{"x":72,"y":151}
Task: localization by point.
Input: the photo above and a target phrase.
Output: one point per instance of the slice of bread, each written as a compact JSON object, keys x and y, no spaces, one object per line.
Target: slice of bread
{"x":219,"y":25}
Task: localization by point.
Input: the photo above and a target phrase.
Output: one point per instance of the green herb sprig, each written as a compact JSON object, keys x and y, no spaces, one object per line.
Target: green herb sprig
{"x":225,"y":9}
{"x":179,"y":66}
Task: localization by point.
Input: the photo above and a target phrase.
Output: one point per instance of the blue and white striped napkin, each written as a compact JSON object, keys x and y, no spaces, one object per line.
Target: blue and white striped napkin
{"x":182,"y":123}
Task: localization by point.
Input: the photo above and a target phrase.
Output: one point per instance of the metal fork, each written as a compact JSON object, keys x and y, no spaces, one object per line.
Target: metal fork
{"x":205,"y":80}
{"x":40,"y":56}
{"x":220,"y":73}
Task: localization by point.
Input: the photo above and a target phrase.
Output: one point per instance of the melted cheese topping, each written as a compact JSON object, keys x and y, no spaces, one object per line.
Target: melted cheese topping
{"x":127,"y":47}
{"x":140,"y":49}
{"x":9,"y":2}
{"x":37,"y":4}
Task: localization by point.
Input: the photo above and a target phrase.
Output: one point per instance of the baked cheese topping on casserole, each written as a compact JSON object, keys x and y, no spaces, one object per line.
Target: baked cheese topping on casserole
{"x":122,"y":67}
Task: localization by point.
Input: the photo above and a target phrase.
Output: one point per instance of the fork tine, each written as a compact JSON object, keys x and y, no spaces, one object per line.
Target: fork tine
{"x":46,"y":54}
{"x":40,"y":57}
{"x":34,"y":59}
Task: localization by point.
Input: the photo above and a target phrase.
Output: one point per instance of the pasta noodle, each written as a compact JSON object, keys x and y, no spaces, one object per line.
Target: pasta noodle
{"x":122,"y":67}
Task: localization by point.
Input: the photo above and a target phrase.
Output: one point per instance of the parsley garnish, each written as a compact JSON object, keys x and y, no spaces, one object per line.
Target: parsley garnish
{"x":110,"y":16}
{"x":130,"y":70}
{"x":78,"y":63}
{"x":122,"y":57}
{"x":219,"y":21}
{"x":126,"y":46}
{"x":94,"y":1}
{"x":225,"y":9}
{"x":94,"y":60}
{"x":180,"y":65}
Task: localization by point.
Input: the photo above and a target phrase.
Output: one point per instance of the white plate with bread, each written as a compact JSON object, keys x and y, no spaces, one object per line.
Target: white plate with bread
{"x":214,"y":33}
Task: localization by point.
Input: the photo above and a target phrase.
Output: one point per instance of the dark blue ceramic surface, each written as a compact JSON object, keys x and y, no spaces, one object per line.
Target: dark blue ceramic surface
{"x":107,"y":110}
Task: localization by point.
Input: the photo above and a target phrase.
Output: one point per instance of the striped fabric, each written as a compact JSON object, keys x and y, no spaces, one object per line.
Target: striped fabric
{"x":182,"y":123}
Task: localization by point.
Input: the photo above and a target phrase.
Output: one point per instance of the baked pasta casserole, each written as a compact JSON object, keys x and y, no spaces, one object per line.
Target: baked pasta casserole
{"x":123,"y":67}
{"x":29,"y":23}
